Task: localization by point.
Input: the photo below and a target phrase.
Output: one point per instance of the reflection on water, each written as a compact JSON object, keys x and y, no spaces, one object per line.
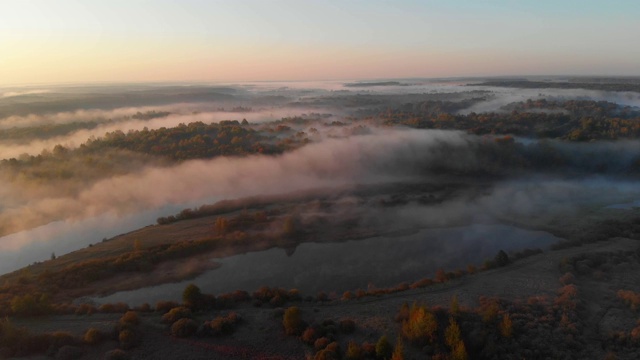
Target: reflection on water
{"x":382,"y":262}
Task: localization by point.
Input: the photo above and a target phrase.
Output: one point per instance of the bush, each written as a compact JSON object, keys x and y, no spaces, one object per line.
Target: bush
{"x":143,"y":308}
{"x":130,"y":318}
{"x":164,"y":306}
{"x":116,"y":354}
{"x":369,"y":349}
{"x":68,"y":352}
{"x":321,"y":343}
{"x":127,"y":338}
{"x":354,"y":351}
{"x":184,"y":328}
{"x":292,"y":321}
{"x":113,"y":308}
{"x":224,"y":325}
{"x":86,"y":309}
{"x":176,"y":314}
{"x":92,"y":336}
{"x":309,"y":336}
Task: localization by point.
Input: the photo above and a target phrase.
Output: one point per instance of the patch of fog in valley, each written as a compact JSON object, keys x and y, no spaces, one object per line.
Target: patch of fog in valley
{"x":93,"y":210}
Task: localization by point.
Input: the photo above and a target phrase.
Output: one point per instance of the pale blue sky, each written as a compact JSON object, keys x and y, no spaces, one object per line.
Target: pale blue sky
{"x":193,"y":40}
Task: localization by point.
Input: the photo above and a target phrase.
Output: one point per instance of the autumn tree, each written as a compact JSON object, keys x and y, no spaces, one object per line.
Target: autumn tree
{"x":384,"y":350}
{"x":421,"y":326}
{"x":292,"y":321}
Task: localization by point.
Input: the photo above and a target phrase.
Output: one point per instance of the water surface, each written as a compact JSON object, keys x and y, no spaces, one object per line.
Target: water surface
{"x":380,"y":261}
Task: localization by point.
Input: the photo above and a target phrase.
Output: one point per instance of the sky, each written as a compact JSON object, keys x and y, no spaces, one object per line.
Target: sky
{"x":67,"y":41}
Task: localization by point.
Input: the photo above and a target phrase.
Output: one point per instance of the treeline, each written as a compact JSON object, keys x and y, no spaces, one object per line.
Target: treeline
{"x":46,"y":131}
{"x":619,"y":85}
{"x":579,"y":120}
{"x":196,"y":140}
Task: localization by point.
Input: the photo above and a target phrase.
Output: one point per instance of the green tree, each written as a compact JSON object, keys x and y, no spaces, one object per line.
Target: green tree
{"x":191,"y":296}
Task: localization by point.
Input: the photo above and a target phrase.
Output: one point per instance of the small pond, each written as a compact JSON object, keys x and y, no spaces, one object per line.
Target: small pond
{"x":379,"y":261}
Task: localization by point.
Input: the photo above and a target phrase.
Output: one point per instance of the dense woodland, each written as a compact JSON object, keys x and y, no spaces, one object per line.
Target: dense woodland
{"x":592,"y":84}
{"x":571,"y":120}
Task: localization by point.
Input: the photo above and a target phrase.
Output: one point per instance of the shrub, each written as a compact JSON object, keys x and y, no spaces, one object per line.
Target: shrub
{"x":92,"y":336}
{"x":116,"y":354}
{"x":130,"y":318}
{"x":184,"y":328}
{"x":506,"y":326}
{"x":292,"y":321}
{"x":176,"y":314}
{"x":69,"y":352}
{"x":368,"y":349}
{"x":630,"y":298}
{"x":59,"y":339}
{"x":164,"y":306}
{"x":86,"y":309}
{"x":113,"y":308}
{"x":354,"y":351}
{"x":567,"y":279}
{"x":143,"y":308}
{"x":321,"y":343}
{"x":224,"y":325}
{"x":441,"y":276}
{"x":127,"y":338}
{"x":309,"y":336}
{"x":403,"y":314}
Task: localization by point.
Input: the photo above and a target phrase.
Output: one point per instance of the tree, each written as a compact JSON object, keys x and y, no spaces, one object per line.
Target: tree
{"x":454,"y":308}
{"x":292,"y":321}
{"x":459,"y":352}
{"x":506,"y":326}
{"x":221,"y":226}
{"x":398,"y":351}
{"x":421,"y":326}
{"x":502,"y":259}
{"x":191,"y":296}
{"x":383,"y":348}
{"x":452,"y":333}
{"x":354,"y":351}
{"x":53,"y":256}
